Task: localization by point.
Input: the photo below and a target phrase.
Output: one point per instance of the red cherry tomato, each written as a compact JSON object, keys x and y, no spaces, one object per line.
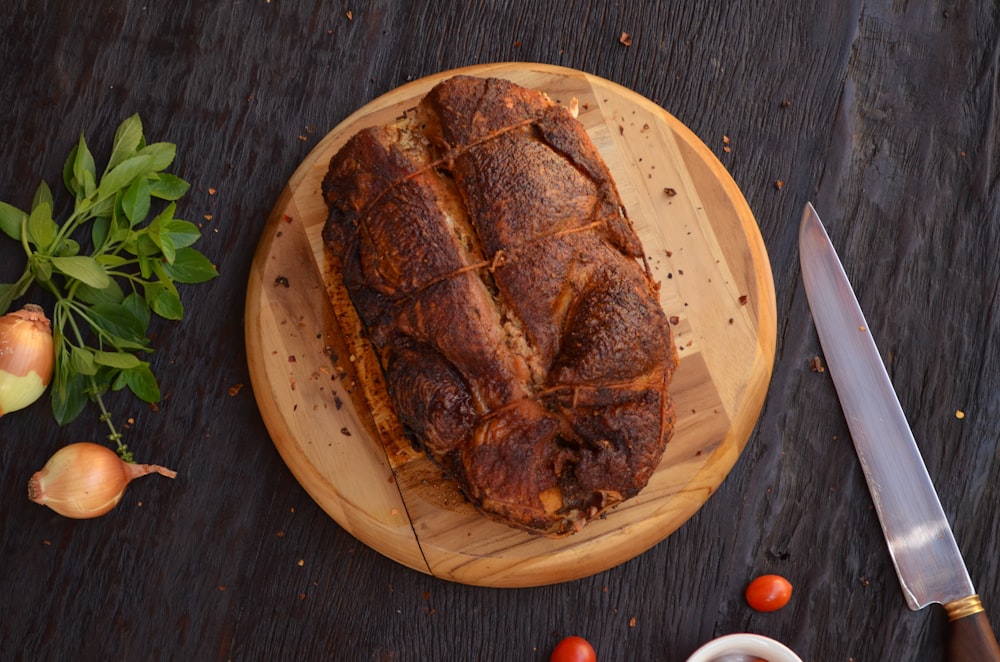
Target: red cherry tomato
{"x":573,"y":649}
{"x":769,"y":593}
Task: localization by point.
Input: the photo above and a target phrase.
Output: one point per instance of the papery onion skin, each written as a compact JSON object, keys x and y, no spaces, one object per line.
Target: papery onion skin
{"x":27,"y":357}
{"x":86,"y":480}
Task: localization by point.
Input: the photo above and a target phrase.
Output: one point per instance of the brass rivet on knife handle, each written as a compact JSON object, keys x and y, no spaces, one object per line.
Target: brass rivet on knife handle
{"x":964,"y":607}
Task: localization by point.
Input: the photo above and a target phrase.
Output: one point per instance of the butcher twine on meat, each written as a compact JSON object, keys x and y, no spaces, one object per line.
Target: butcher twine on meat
{"x":486,"y":251}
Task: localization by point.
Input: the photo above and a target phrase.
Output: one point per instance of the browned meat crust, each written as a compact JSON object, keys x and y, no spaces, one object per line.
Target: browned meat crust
{"x":484,"y":246}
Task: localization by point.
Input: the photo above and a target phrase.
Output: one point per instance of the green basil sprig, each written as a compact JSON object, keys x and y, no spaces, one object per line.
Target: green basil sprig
{"x":109,"y":268}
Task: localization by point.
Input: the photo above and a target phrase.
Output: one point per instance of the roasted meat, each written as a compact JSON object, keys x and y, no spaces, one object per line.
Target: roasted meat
{"x":485,"y":249}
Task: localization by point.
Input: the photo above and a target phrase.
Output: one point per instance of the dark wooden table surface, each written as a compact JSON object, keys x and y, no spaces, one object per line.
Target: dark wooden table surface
{"x":885,"y":114}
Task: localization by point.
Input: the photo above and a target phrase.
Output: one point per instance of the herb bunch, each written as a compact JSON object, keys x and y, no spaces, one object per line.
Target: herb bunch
{"x":109,"y":268}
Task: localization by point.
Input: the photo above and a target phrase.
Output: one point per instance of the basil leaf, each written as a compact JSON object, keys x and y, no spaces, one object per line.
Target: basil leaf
{"x":164,"y":300}
{"x":110,"y":294}
{"x":84,"y":170}
{"x":40,"y":267}
{"x":139,"y":308}
{"x":81,"y":360}
{"x":128,"y":136}
{"x":140,"y":381}
{"x":83,"y":268}
{"x":122,"y":174}
{"x":99,"y":232}
{"x":43,"y":195}
{"x":8,"y":292}
{"x":68,"y":248}
{"x":42,"y":229}
{"x":161,"y":154}
{"x":68,"y":392}
{"x":118,"y":321}
{"x":10,"y":220}
{"x":181,"y":233}
{"x":190,"y":266}
{"x":167,"y":187}
{"x":117,"y":360}
{"x":136,"y":200}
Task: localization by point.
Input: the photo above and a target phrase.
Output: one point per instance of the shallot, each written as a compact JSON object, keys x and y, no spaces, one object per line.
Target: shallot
{"x":85,"y":480}
{"x":26,"y":357}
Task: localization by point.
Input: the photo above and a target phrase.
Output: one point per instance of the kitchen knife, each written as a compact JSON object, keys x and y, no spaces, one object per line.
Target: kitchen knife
{"x":921,"y":543}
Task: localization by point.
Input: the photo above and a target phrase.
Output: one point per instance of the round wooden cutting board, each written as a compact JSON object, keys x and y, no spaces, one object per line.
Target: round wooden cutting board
{"x":703,"y":245}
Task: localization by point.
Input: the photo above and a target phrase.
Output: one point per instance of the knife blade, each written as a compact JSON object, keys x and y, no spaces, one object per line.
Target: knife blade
{"x":920,"y":540}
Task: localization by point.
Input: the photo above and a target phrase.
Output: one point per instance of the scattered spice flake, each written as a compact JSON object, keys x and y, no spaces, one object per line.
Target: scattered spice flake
{"x":625,"y":39}
{"x":302,"y":562}
{"x":517,"y":44}
{"x":631,"y":622}
{"x":235,"y":389}
{"x":211,"y":191}
{"x":345,"y":432}
{"x":725,"y":140}
{"x":779,"y":184}
{"x":743,"y":299}
{"x":291,"y":358}
{"x":222,"y":587}
{"x":302,"y":596}
{"x":786,"y":103}
{"x":280,"y":534}
{"x":675,"y":320}
{"x":208,"y":217}
{"x":959,"y":414}
{"x":286,"y":218}
{"x":670,"y":192}
{"x":349,"y":14}
{"x":282,"y":281}
{"x":816,"y":364}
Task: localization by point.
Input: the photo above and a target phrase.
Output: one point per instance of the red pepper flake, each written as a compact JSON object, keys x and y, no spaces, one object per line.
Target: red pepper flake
{"x":211,"y":191}
{"x":670,"y":192}
{"x":675,"y":320}
{"x":234,"y":389}
{"x":631,"y":622}
{"x":350,"y":15}
{"x":779,"y":184}
{"x":345,"y":432}
{"x":302,"y":596}
{"x":743,"y":299}
{"x":222,"y":587}
{"x":208,"y":217}
{"x":291,"y":358}
{"x":286,"y":218}
{"x":280,"y":534}
{"x":816,"y":364}
{"x":517,"y":44}
{"x":625,"y":39}
{"x":786,"y":103}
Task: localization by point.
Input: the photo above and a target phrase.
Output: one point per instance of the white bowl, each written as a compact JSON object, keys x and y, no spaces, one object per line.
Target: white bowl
{"x":747,"y":644}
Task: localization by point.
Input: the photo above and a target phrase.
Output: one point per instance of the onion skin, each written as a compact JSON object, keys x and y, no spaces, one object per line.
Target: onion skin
{"x":27,"y":357}
{"x":86,"y":480}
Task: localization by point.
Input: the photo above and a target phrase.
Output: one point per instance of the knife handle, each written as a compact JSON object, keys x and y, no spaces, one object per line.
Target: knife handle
{"x":971,"y":638}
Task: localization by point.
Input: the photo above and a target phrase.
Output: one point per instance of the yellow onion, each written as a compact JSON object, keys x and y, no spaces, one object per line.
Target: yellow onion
{"x":26,"y":357}
{"x":85,"y":480}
